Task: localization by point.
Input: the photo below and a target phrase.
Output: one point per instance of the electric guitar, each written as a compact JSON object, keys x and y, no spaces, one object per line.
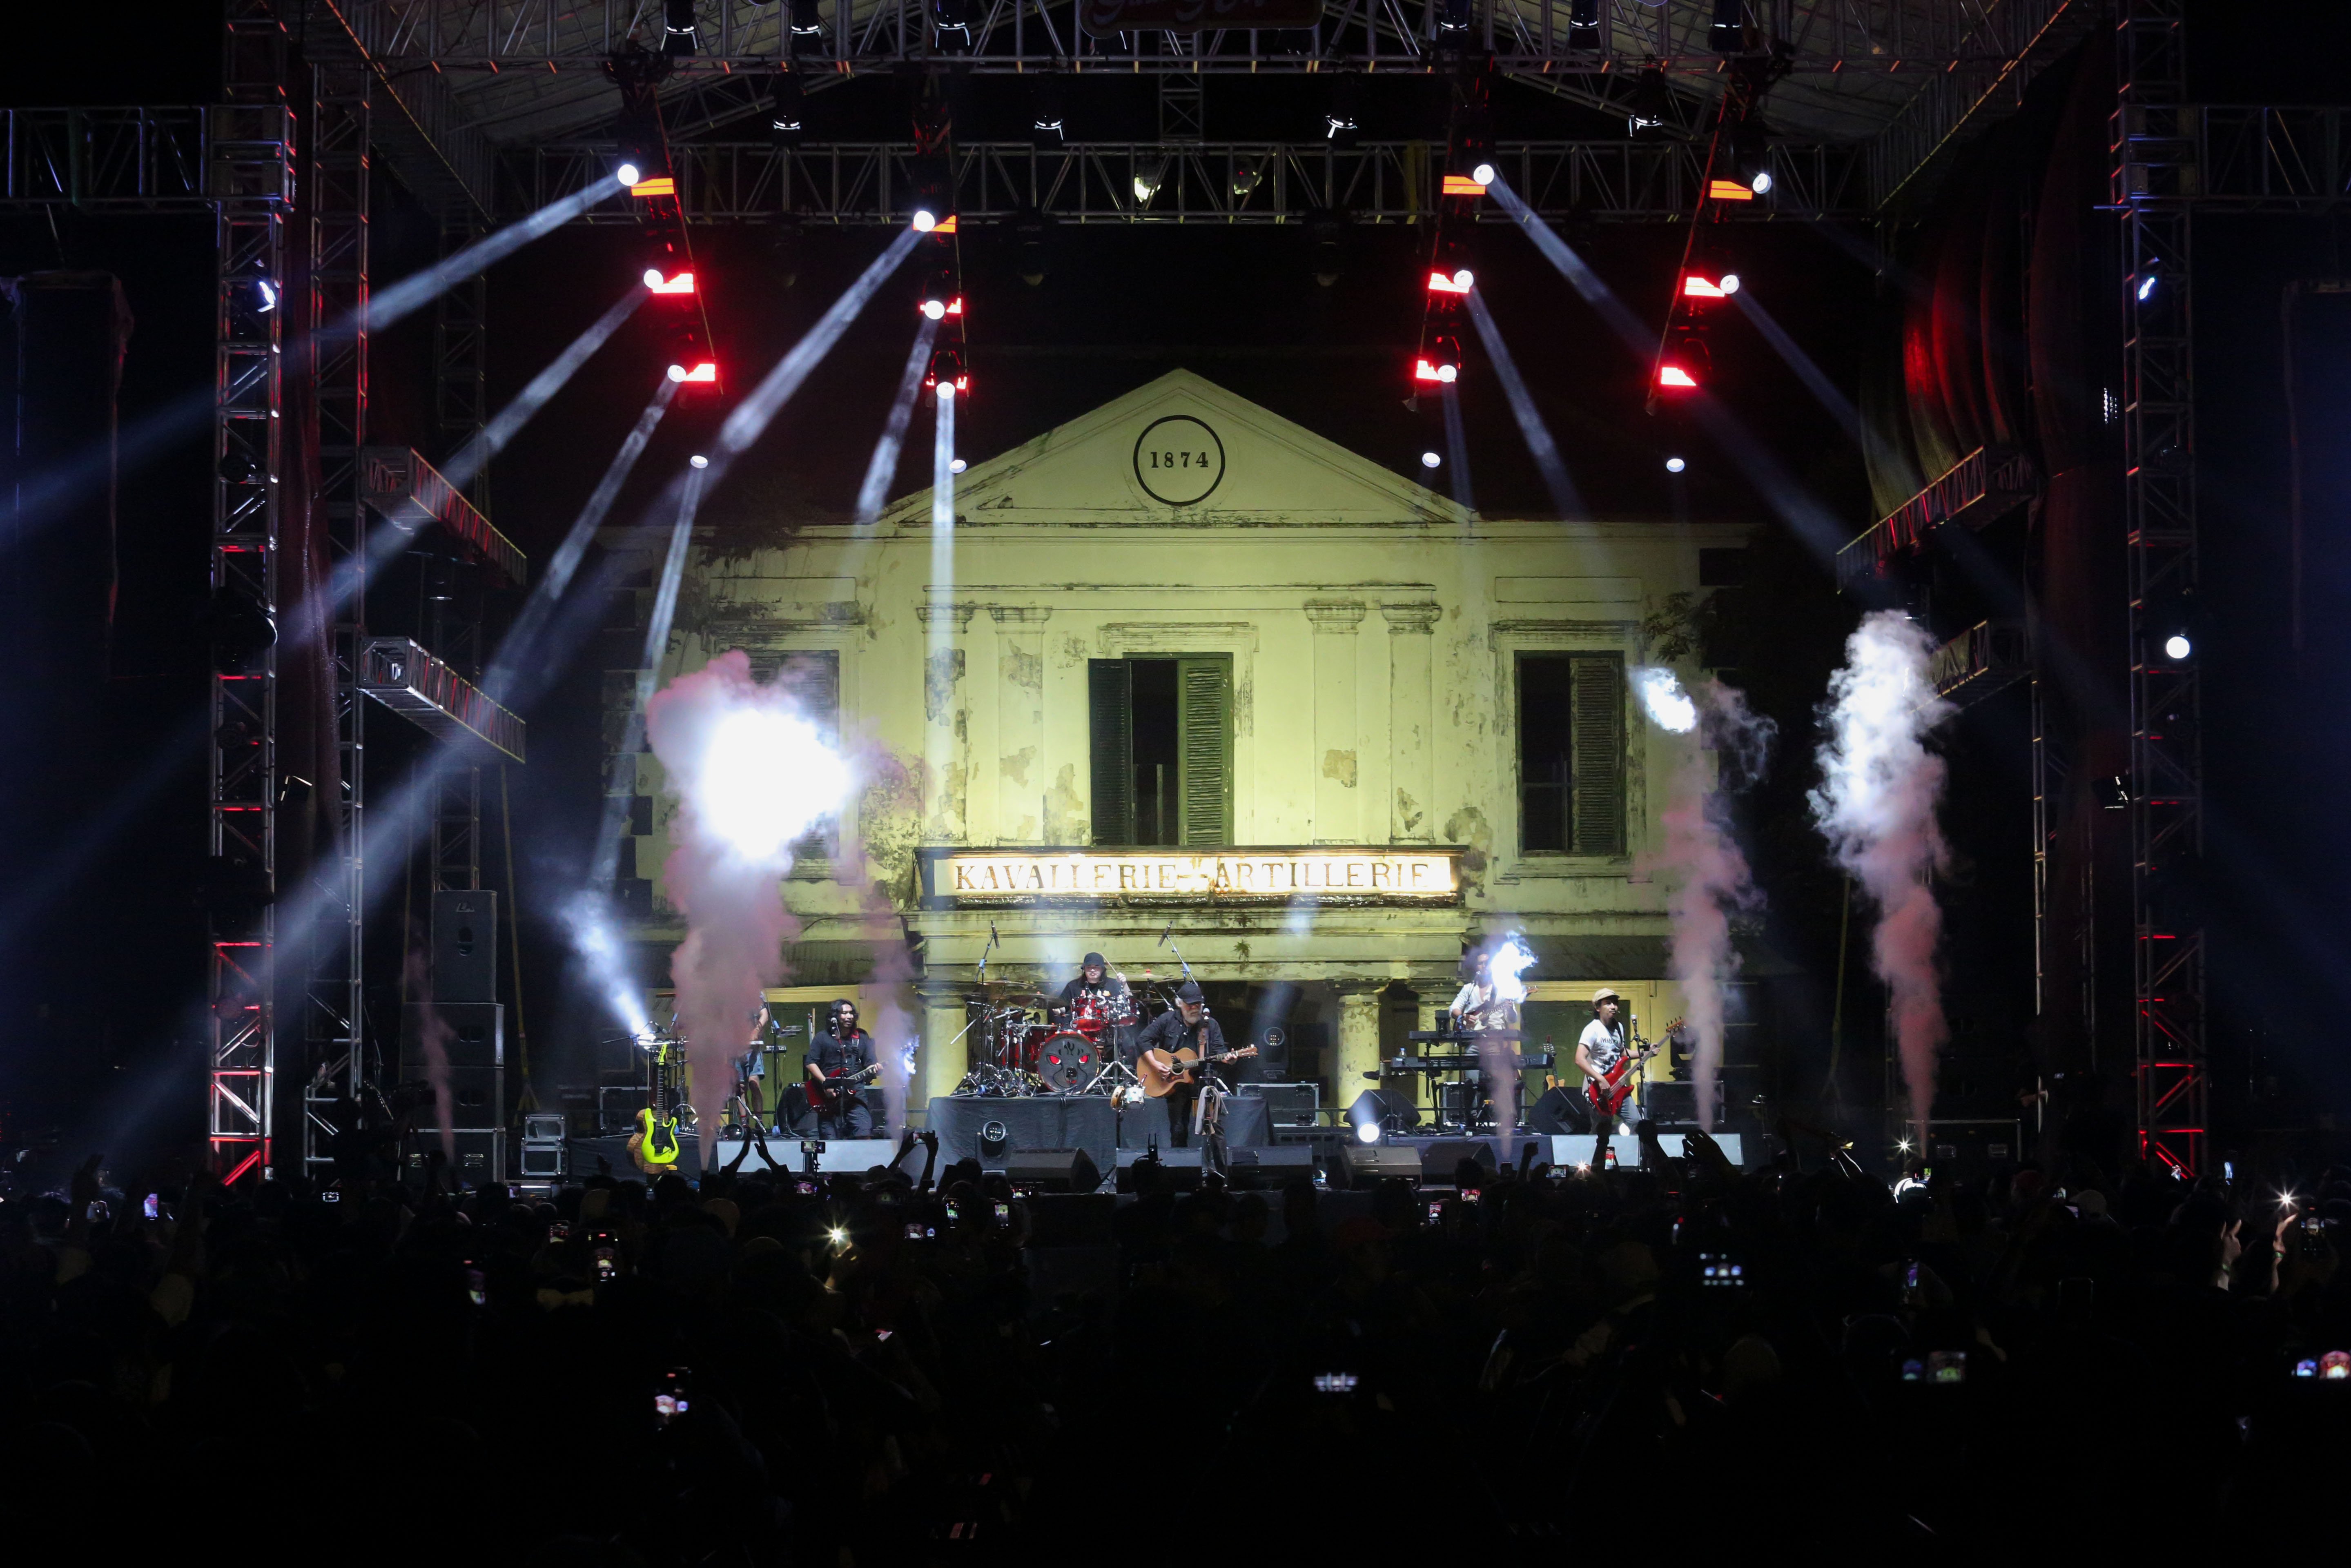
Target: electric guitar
{"x":825,"y":1093}
{"x":653,"y":1146}
{"x":1161,"y":1072}
{"x":1609,"y":1091}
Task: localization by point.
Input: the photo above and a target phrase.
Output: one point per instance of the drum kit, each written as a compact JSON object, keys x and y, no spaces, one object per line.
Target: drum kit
{"x":1039,"y":1045}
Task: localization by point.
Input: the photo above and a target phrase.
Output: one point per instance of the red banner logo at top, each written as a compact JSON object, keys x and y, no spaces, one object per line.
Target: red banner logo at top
{"x":1105,"y":17}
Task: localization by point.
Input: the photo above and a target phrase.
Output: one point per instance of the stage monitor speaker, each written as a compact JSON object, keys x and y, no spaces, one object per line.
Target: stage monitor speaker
{"x":1270,"y":1167}
{"x":1181,"y":1170}
{"x":1559,"y":1112}
{"x":481,"y":1157}
{"x":1292,"y":1104}
{"x":1367,"y":1164}
{"x":464,"y":946}
{"x":1053,"y":1170}
{"x":1670,"y":1102}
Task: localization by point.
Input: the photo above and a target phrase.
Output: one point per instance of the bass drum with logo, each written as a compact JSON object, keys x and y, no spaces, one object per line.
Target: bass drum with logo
{"x":1066,"y":1062}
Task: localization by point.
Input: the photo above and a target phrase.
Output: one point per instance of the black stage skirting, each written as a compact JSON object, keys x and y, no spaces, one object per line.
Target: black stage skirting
{"x":1087,"y":1122}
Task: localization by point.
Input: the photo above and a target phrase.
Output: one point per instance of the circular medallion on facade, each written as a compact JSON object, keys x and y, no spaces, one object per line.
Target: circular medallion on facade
{"x":1178,"y":460}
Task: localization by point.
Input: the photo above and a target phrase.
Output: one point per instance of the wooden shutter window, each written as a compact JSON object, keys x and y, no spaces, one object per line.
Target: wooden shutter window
{"x":1203,"y":725}
{"x":1109,"y":694}
{"x":1597,"y":760}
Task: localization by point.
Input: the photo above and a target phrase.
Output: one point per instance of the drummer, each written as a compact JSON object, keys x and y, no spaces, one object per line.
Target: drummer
{"x":1100,"y":991}
{"x":1094,"y":979}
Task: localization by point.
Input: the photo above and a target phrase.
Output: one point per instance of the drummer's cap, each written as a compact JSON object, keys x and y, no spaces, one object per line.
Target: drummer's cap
{"x":1092,"y":961}
{"x":1189,"y":991}
{"x":1606,"y":994}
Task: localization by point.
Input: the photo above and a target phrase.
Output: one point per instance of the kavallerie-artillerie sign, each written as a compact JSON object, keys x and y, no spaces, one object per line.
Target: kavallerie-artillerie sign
{"x":1104,"y":18}
{"x":1206,"y":876}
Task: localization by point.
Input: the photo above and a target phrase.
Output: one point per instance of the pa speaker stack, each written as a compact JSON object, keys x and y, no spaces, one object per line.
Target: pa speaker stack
{"x":544,"y":1157}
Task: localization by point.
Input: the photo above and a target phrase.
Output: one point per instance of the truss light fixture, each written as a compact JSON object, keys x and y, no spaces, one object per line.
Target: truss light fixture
{"x":1650,"y":110}
{"x":938,"y":307}
{"x":1672,"y":377}
{"x":1695,"y":286}
{"x":925,"y":220}
{"x":1430,"y":460}
{"x":698,"y":461}
{"x":1484,"y":174}
{"x":655,"y":185}
{"x":628,"y":173}
{"x":1761,"y":182}
{"x":2177,"y":648}
{"x":946,"y":374}
{"x":2145,"y":289}
{"x":1247,"y":176}
{"x":1721,"y":190}
{"x":1150,"y":175}
{"x":702,"y":372}
{"x":1441,"y":364}
{"x":956,"y":465}
{"x":656,"y":284}
{"x":679,"y":34}
{"x":807,"y":21}
{"x":265,"y":296}
{"x":1466,"y":184}
{"x":1675,"y":465}
{"x":785,"y":122}
{"x":1458,"y":281}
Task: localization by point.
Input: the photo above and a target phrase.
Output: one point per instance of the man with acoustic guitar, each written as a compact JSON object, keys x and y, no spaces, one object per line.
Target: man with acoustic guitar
{"x":1189,"y":1025}
{"x":1601,"y":1047}
{"x":841,"y":1062}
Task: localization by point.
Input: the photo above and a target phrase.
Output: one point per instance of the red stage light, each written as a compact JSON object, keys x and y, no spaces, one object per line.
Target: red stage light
{"x":1423,"y":371}
{"x":703,"y":371}
{"x":1462,"y":185}
{"x":1675,"y":378}
{"x":937,"y":309}
{"x":1698,"y":288}
{"x":656,"y":284}
{"x":658,"y":185}
{"x":1728,"y":191}
{"x":1459,"y":282}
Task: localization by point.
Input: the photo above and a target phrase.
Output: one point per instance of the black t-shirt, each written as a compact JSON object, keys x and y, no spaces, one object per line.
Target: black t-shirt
{"x":834,"y":1056}
{"x":1108,"y":986}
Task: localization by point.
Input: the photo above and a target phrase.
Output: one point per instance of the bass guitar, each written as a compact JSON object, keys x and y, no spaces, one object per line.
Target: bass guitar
{"x":1609,"y":1091}
{"x":653,"y":1146}
{"x":1161,"y":1070}
{"x":825,"y":1094}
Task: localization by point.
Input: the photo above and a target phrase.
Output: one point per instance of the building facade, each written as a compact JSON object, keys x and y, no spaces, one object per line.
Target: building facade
{"x":1188,"y":684}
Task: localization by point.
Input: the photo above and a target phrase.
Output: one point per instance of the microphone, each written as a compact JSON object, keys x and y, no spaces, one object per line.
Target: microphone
{"x":1166,"y":934}
{"x":993,"y":940}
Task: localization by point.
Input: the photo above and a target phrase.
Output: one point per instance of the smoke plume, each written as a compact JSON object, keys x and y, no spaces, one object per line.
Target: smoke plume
{"x":1876,"y":804}
{"x":433,"y":1033}
{"x":751,"y":775}
{"x":1700,"y":859}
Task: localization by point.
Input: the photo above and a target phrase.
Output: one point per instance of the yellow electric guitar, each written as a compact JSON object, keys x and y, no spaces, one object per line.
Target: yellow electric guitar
{"x":653,"y":1146}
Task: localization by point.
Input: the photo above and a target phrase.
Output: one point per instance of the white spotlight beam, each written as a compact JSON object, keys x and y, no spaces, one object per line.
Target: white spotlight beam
{"x":492,"y":440}
{"x":874,"y":494}
{"x":412,"y":293}
{"x":752,"y":416}
{"x":1564,"y":497}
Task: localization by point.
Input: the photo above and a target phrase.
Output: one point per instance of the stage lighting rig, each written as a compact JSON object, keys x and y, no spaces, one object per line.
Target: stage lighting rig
{"x":1649,"y":112}
{"x":808,"y":21}
{"x":1439,"y":363}
{"x":698,"y":372}
{"x":1583,"y":24}
{"x":952,"y":17}
{"x":1342,"y":112}
{"x":1048,"y":131}
{"x":785,"y":123}
{"x":679,"y":284}
{"x":680,"y":31}
{"x":1150,"y":173}
{"x":947,"y":370}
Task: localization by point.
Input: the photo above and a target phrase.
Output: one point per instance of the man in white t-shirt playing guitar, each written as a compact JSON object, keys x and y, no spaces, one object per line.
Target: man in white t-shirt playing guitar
{"x":1604,"y":1044}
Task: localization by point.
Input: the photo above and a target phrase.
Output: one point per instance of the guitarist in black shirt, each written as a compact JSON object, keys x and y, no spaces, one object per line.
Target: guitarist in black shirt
{"x":841,"y":1062}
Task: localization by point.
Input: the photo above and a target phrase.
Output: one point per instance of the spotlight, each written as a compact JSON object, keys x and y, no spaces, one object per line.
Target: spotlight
{"x":1150,"y":173}
{"x":956,"y":465}
{"x":1367,"y":1131}
{"x":1246,"y":177}
{"x":1484,"y":174}
{"x":678,"y":36}
{"x":2176,"y":647}
{"x":681,"y":284}
{"x":1675,"y":465}
{"x":1460,"y":281}
{"x":1430,"y":460}
{"x":1651,"y":106}
{"x":1729,"y":283}
{"x":266,"y":293}
{"x":702,"y":372}
{"x":925,"y":220}
{"x":1463,"y":184}
{"x":1721,"y":190}
{"x":1697,"y":288}
{"x":806,"y":21}
{"x":784,"y":120}
{"x":764,"y":776}
{"x":934,"y":309}
{"x":627,"y":173}
{"x":1761,"y":183}
{"x":698,"y":461}
{"x":946,"y":391}
{"x":1441,"y":363}
{"x":2146,"y":288}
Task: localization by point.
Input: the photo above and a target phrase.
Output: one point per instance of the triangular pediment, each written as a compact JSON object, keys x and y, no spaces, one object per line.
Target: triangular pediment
{"x":1182,"y":449}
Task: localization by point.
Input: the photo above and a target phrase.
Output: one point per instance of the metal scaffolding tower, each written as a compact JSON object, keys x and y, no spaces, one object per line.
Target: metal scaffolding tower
{"x":248,"y":170}
{"x":335,"y":199}
{"x":2154,"y":168}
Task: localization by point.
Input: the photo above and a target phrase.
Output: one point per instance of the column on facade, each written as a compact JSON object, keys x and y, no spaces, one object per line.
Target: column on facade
{"x":945,"y":1057}
{"x":1019,"y":765}
{"x":1359,"y":1039}
{"x":1336,"y":761}
{"x":946,"y":723}
{"x":1411,"y":640}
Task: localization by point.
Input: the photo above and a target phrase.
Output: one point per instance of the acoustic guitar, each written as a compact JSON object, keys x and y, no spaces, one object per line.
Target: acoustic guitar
{"x":1161,"y":1072}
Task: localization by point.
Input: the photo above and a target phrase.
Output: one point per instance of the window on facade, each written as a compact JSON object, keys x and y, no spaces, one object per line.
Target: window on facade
{"x":1571,"y":753}
{"x":1163,"y":750}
